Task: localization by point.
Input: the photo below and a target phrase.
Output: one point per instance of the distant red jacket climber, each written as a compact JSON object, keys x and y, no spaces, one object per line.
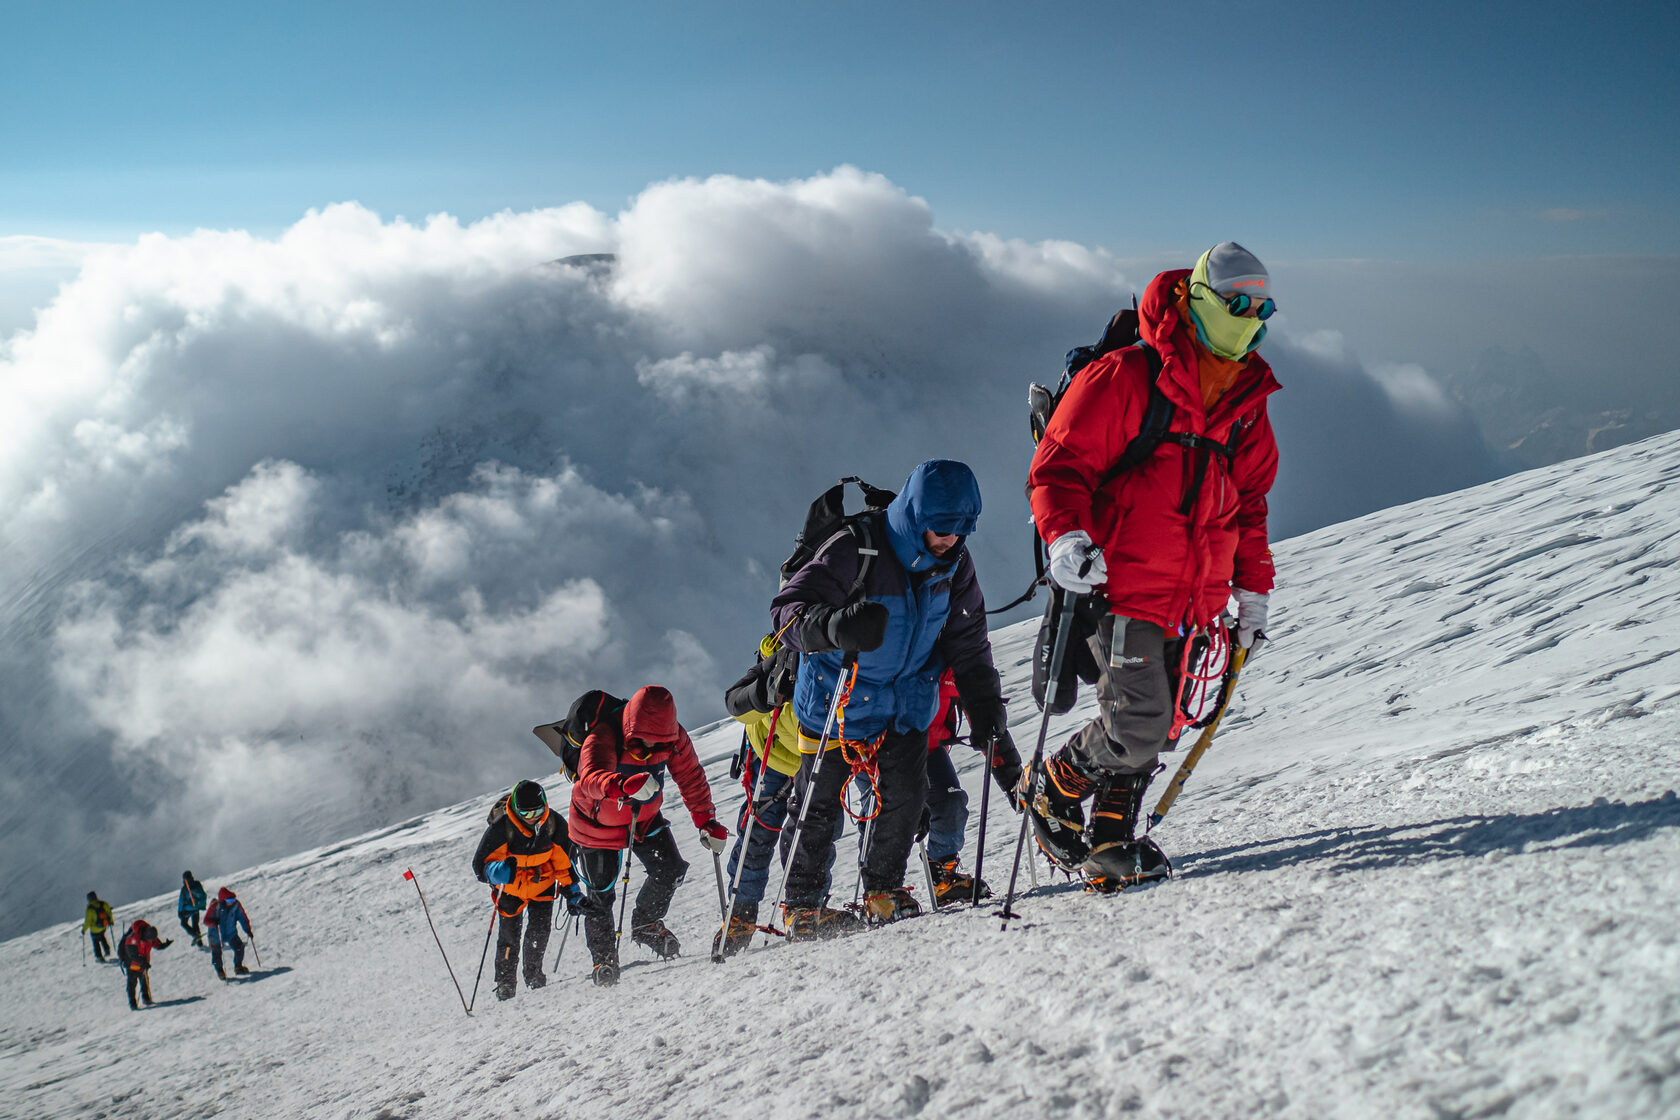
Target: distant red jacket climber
{"x":135,"y":953}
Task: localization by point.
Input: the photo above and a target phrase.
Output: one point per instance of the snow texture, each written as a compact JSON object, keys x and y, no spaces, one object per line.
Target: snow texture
{"x":1427,"y":870}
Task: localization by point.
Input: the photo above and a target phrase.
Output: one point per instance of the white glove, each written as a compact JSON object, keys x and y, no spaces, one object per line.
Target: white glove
{"x":714,"y":836}
{"x":640,"y":787}
{"x":1076,"y":564}
{"x":1251,"y":618}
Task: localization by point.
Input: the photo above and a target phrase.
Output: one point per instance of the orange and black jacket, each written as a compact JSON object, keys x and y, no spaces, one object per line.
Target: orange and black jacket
{"x":543,"y":867}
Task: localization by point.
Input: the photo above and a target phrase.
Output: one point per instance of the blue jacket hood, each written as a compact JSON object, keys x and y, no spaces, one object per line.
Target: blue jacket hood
{"x":941,"y":495}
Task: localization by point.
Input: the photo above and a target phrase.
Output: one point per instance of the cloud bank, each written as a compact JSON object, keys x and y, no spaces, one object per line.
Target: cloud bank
{"x":303,"y":534}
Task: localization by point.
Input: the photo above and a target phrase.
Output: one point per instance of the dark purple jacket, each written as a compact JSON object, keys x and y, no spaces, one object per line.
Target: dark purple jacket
{"x":936,"y":615}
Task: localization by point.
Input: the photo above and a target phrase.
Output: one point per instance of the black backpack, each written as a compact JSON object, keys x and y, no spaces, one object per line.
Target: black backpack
{"x":827,"y":521}
{"x":565,"y":737}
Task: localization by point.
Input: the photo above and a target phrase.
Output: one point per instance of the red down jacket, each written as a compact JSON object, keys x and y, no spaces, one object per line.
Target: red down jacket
{"x":1164,"y":565}
{"x":651,"y":742}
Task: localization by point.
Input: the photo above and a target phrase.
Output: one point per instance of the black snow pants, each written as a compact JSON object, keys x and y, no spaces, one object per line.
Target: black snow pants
{"x":189,"y":922}
{"x":536,"y":929}
{"x":903,"y":788}
{"x":601,"y":868}
{"x":101,"y":947}
{"x":139,"y":978}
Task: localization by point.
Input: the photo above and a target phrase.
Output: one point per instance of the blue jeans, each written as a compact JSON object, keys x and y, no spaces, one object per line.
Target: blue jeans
{"x":776,"y":808}
{"x":947,"y":806}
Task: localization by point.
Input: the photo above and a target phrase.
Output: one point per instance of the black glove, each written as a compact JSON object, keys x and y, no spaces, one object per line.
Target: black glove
{"x":858,"y":627}
{"x":167,"y":944}
{"x":582,"y":902}
{"x":783,"y":674}
{"x":987,"y":718}
{"x":924,"y":824}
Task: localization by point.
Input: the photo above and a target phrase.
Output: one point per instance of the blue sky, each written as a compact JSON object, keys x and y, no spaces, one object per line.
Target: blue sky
{"x":1424,"y":132}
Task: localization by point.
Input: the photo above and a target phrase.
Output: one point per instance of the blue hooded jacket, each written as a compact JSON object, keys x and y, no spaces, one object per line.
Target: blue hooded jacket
{"x":936,"y":615}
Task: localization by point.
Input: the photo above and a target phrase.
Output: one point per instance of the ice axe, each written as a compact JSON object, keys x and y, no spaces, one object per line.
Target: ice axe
{"x":1188,"y":766}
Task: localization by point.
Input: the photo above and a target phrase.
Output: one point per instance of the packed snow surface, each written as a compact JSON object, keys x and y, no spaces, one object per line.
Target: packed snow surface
{"x":1429,"y":869}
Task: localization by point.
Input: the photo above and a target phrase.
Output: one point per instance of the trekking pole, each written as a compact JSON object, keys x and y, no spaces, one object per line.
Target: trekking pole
{"x":840,"y":691}
{"x":564,"y":933}
{"x":717,"y":873}
{"x":1057,"y":650}
{"x":495,"y":911}
{"x":927,"y":869}
{"x":254,"y":951}
{"x":866,"y":835}
{"x":985,"y":803}
{"x":409,"y":875}
{"x":1188,"y":766}
{"x":84,"y":942}
{"x":746,"y":832}
{"x":623,"y":893}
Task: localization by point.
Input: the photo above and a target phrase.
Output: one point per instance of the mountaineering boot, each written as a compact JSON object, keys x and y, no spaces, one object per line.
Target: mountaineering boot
{"x":732,"y":938}
{"x":819,"y":923}
{"x":534,"y":977}
{"x":507,"y":979}
{"x":953,"y":885}
{"x":882,"y":907}
{"x":657,"y":937}
{"x":1051,"y":793}
{"x":220,"y":973}
{"x":605,"y":974}
{"x":241,"y":970}
{"x":1118,"y":859}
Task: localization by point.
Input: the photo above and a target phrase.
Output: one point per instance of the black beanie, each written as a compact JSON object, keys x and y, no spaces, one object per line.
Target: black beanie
{"x":528,"y":797}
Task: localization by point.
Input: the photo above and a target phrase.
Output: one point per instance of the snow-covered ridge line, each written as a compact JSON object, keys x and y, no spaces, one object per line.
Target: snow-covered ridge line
{"x":1427,"y":870}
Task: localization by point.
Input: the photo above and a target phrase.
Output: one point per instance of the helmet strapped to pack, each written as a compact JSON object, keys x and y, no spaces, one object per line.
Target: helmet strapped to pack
{"x":565,"y":737}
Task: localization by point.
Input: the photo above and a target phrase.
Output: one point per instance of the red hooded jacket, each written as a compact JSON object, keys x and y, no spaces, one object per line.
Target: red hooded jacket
{"x":651,"y":741}
{"x":141,"y":939}
{"x":1164,"y":565}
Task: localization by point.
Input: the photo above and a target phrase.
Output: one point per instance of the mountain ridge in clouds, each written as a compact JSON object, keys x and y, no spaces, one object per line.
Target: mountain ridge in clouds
{"x":303,"y":534}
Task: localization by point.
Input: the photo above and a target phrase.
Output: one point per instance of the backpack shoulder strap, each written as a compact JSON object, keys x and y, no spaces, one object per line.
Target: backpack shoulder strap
{"x":1157,"y":418}
{"x":860,"y":527}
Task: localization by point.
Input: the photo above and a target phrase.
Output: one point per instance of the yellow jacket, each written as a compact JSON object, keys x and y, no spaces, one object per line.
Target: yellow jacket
{"x":98,"y":916}
{"x":784,"y":752}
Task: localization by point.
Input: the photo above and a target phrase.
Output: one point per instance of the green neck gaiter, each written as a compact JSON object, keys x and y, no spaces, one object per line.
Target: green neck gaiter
{"x":1229,"y":336}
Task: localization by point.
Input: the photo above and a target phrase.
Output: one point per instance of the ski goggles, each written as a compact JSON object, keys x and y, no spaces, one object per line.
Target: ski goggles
{"x":532,"y":813}
{"x":1240,"y":304}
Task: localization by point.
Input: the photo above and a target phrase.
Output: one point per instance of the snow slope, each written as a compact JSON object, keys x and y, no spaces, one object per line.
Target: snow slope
{"x":1429,"y":870}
